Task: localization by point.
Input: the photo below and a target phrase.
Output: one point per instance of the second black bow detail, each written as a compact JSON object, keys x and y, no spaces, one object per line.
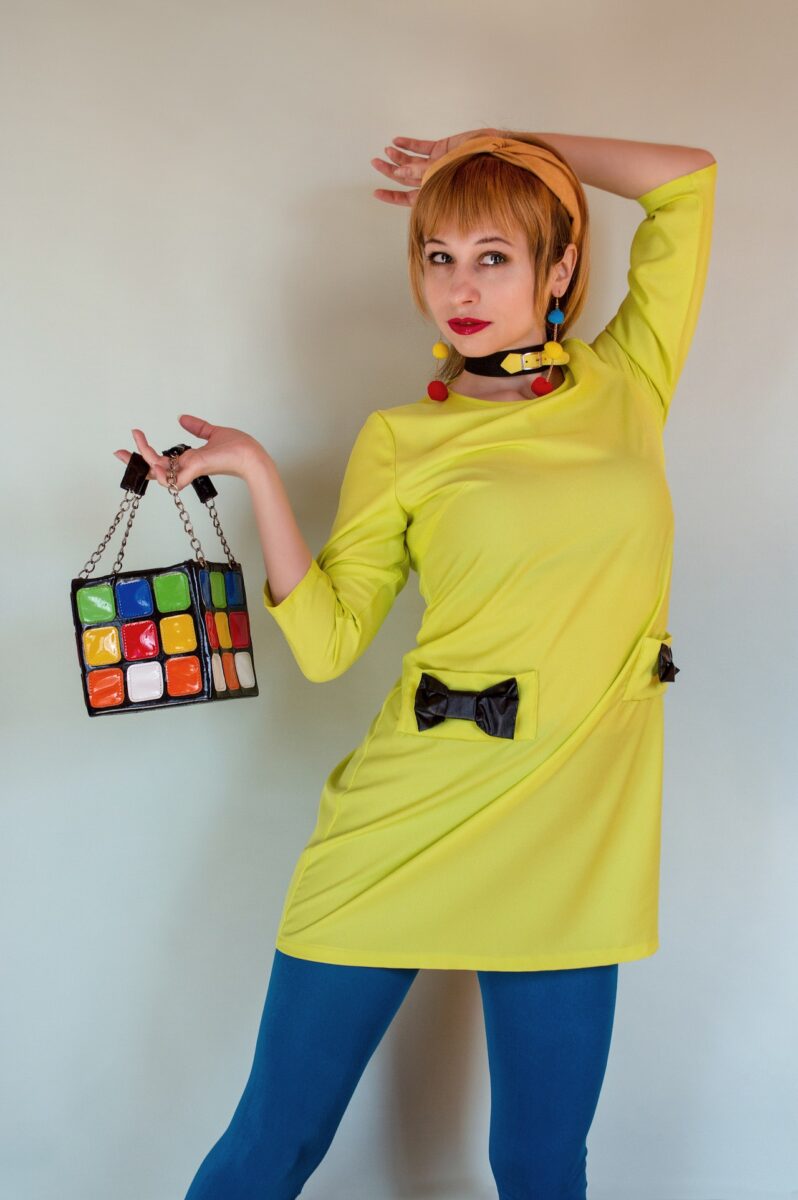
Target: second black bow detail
{"x":494,"y":709}
{"x":666,"y":667}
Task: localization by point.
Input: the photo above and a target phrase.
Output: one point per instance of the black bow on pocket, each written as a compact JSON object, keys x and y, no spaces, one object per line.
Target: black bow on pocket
{"x":494,"y":708}
{"x":666,"y":667}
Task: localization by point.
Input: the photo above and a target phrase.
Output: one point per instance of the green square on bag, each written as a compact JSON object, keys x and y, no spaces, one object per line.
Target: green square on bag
{"x":96,"y":603}
{"x":171,"y":592}
{"x":218,"y":593}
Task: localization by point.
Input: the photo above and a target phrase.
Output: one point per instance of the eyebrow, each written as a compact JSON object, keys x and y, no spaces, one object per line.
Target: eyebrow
{"x":494,"y":237}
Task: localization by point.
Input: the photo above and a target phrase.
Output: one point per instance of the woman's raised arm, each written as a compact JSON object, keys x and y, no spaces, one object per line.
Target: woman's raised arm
{"x":615,"y":165}
{"x":623,"y":167}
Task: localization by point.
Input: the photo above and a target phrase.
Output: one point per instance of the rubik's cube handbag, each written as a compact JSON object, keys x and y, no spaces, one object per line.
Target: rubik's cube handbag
{"x":164,"y":636}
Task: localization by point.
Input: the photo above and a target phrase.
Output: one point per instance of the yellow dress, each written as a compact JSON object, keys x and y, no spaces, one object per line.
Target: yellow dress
{"x":542,"y":534}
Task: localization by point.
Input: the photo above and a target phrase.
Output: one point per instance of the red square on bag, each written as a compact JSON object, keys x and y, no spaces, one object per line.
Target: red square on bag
{"x":239,"y":629}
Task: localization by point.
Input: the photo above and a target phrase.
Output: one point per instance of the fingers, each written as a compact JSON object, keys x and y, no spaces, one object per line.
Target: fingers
{"x":400,"y":159}
{"x":409,"y":173}
{"x":125,"y":456}
{"x":394,"y":173}
{"x":196,"y":425}
{"x":404,"y":168}
{"x":399,"y":198}
{"x":189,"y":463}
{"x":157,"y":462}
{"x":145,"y":449}
{"x":416,"y":144}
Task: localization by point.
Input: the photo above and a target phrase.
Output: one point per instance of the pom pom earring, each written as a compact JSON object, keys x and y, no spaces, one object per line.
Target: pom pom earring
{"x":543,"y":385}
{"x":437,"y":389}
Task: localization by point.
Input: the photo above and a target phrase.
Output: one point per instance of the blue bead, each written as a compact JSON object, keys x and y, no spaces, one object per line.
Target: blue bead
{"x":556,"y":316}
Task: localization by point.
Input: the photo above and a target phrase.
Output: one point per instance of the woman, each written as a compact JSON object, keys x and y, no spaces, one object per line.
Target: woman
{"x":502,"y":812}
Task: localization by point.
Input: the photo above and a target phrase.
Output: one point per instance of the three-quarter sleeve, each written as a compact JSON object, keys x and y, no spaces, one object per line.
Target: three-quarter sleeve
{"x":332,"y":614}
{"x":654,"y":326}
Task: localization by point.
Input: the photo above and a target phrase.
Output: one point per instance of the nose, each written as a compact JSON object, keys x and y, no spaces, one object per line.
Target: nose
{"x":463,"y":288}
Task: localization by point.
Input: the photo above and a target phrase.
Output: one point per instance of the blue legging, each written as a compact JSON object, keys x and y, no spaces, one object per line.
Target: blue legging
{"x":548,"y":1039}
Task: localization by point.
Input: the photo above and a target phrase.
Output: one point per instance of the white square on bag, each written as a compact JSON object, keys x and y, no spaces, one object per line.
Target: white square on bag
{"x":145,"y":681}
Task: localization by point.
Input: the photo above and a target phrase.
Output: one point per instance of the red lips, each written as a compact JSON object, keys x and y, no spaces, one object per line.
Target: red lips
{"x":467,"y":326}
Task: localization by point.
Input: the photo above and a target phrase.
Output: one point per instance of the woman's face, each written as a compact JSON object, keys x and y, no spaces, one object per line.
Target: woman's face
{"x":483,"y":276}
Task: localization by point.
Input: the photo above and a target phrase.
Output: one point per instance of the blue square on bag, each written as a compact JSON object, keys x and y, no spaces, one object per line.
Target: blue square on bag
{"x":133,"y":598}
{"x":235,"y":590}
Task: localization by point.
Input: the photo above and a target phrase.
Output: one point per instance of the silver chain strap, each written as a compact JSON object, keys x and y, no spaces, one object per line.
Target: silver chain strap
{"x":130,"y":501}
{"x":171,"y":483}
{"x":211,"y":507}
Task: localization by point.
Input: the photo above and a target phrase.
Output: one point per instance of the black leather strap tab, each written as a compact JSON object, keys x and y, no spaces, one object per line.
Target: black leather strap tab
{"x":135,"y":476}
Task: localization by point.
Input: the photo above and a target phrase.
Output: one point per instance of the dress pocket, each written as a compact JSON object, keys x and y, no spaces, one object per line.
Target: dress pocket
{"x":644,"y":680}
{"x":466,"y":729}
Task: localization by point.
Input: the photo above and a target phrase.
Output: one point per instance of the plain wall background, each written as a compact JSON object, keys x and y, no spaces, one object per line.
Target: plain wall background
{"x":187,"y":225}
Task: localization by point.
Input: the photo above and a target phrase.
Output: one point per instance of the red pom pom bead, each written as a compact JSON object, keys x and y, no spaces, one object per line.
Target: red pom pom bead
{"x":541,"y":386}
{"x":437,"y":390}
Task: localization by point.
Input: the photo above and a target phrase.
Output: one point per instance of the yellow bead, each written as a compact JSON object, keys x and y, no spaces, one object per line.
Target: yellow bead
{"x":440,"y":350}
{"x":554,"y":351}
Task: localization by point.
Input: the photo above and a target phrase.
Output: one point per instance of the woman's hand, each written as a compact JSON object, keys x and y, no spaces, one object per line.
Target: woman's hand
{"x":408,"y":169}
{"x":226,"y":452}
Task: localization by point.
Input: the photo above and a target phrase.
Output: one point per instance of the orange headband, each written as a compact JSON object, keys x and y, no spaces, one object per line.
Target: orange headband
{"x":557,"y":177}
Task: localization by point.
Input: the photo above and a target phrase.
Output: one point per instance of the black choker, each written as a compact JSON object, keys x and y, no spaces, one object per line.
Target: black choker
{"x":527,"y":360}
